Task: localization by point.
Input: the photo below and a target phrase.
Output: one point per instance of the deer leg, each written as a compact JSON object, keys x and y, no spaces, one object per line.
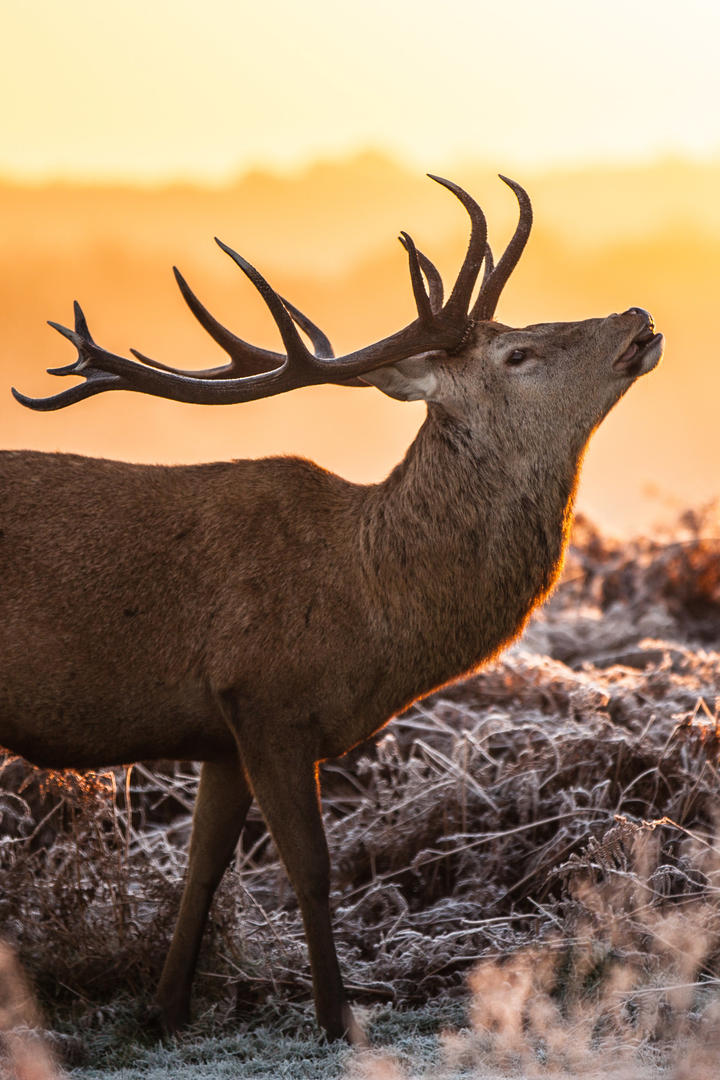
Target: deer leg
{"x":221,"y":807}
{"x":288,"y":795}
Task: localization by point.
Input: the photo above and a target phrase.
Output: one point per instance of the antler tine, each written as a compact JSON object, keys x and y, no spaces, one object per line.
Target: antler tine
{"x":422,"y":301}
{"x":490,"y":292}
{"x":246,"y":359}
{"x":432,"y":276}
{"x":81,"y":326}
{"x":222,"y":372}
{"x":435,"y":282}
{"x":489,"y":266}
{"x":81,"y":329}
{"x":320,"y":341}
{"x":459,"y":300}
{"x":296,"y":350}
{"x":97,"y":382}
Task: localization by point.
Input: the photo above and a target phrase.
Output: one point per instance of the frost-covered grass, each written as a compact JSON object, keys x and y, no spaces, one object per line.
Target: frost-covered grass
{"x":263,"y":1053}
{"x":526,"y":871}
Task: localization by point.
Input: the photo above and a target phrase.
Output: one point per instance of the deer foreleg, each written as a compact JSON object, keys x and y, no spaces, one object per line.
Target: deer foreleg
{"x":287,"y":792}
{"x":221,"y":807}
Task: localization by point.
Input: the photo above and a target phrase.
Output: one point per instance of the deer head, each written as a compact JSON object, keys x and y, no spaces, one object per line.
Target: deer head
{"x":505,"y":382}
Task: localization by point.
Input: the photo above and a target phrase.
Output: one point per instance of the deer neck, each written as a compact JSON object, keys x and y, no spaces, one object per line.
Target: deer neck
{"x":459,"y":543}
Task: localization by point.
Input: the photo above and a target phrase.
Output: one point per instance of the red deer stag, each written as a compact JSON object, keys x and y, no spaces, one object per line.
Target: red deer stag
{"x":261,"y":616}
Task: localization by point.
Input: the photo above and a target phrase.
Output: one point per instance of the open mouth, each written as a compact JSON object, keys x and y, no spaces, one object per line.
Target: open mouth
{"x":642,"y":354}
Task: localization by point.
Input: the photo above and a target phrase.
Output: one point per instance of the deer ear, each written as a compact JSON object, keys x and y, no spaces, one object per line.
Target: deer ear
{"x":414,"y":379}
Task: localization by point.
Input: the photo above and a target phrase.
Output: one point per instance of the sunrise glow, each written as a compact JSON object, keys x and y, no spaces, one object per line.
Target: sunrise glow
{"x":301,"y":136}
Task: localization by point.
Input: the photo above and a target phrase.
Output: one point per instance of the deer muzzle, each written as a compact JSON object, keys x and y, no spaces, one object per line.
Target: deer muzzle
{"x":643,"y":351}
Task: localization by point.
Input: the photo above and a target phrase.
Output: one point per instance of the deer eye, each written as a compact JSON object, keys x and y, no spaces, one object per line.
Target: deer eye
{"x":516,"y":357}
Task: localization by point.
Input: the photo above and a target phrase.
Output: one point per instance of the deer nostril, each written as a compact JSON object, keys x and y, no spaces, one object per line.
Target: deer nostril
{"x":649,"y":329}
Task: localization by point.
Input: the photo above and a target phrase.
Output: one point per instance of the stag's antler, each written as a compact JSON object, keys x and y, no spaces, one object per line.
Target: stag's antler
{"x":255,"y":373}
{"x":496,"y":278}
{"x":245,"y":359}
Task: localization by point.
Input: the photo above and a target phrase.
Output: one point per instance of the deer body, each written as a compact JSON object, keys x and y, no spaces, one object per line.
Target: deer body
{"x":189,"y":565}
{"x":261,"y":616}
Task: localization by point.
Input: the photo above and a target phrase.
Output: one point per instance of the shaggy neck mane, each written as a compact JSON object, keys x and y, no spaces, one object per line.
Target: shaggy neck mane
{"x":475,"y":534}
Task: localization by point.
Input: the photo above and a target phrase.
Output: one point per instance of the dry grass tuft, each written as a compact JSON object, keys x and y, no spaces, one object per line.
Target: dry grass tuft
{"x":546,"y":829}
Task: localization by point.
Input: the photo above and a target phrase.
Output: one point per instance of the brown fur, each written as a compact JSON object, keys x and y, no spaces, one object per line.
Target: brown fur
{"x":260,"y":616}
